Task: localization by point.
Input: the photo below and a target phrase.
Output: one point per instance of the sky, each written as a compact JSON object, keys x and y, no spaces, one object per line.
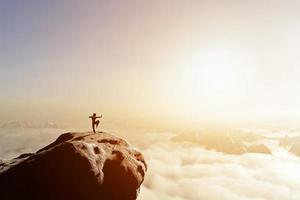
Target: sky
{"x":167,"y":62}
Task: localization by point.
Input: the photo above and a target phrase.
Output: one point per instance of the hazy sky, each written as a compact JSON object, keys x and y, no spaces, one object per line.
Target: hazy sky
{"x":179,"y":60}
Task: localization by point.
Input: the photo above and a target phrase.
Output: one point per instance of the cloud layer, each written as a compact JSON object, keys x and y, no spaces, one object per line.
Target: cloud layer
{"x":187,"y":172}
{"x":180,"y":171}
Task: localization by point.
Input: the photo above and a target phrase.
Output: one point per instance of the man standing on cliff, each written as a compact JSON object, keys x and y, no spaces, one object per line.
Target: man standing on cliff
{"x":94,"y":121}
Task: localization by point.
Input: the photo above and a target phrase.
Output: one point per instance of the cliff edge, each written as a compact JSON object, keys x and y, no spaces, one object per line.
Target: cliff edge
{"x":76,"y":166}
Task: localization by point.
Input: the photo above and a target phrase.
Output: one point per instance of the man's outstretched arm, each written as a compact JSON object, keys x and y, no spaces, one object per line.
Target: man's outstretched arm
{"x":99,"y":116}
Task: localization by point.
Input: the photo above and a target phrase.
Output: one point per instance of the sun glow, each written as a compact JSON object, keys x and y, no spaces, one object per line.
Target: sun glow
{"x":214,"y":75}
{"x":214,"y":80}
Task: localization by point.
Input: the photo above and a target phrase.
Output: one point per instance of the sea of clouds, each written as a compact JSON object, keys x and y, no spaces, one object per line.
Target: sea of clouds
{"x":187,"y":172}
{"x":180,"y":171}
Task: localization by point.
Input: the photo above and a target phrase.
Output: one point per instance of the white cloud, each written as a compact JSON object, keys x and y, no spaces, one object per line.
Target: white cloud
{"x":193,"y":173}
{"x":182,"y":172}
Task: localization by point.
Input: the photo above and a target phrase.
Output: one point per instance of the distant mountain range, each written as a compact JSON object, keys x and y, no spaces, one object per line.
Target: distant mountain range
{"x":28,"y":124}
{"x":226,"y":141}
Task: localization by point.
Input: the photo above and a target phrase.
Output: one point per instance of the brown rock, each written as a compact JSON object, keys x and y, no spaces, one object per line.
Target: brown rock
{"x":259,"y":148}
{"x":76,"y":166}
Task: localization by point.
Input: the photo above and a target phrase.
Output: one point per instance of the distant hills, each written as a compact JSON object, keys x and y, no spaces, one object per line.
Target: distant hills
{"x":225,"y":141}
{"x":29,"y":124}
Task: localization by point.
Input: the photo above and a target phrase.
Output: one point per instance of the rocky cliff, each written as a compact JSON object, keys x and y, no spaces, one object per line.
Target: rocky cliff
{"x":76,"y":166}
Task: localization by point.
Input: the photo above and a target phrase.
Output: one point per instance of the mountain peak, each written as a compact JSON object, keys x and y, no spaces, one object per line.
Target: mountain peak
{"x":76,"y":166}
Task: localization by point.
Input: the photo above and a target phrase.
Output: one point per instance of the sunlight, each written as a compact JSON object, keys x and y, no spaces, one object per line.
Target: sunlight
{"x":214,"y":75}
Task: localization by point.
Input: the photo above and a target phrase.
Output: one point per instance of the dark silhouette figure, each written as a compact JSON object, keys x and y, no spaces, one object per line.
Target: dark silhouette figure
{"x":94,"y":121}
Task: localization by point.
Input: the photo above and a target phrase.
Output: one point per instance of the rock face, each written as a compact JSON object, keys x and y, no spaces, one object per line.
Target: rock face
{"x":292,"y":143}
{"x":259,"y":148}
{"x":76,"y":166}
{"x":295,"y":149}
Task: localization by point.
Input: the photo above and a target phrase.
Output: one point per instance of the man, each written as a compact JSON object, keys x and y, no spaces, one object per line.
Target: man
{"x":94,"y":121}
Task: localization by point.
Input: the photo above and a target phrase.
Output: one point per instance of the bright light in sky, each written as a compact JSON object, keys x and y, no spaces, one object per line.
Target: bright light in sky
{"x":150,"y":60}
{"x":214,"y":75}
